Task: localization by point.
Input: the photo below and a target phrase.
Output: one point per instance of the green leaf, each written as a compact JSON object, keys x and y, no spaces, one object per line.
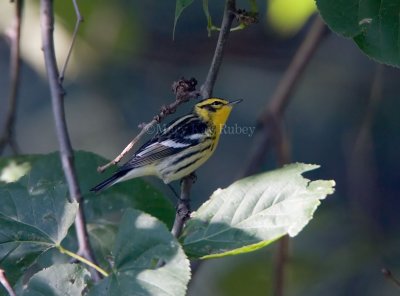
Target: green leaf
{"x":253,"y":212}
{"x":142,"y":242}
{"x":107,"y":204}
{"x":111,"y":203}
{"x":58,"y":280}
{"x":43,"y":191}
{"x":180,"y":6}
{"x":373,"y":25}
{"x":102,"y":238}
{"x":33,"y":219}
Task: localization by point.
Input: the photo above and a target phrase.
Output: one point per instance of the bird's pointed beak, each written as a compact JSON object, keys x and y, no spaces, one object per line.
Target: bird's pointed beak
{"x":235,"y":102}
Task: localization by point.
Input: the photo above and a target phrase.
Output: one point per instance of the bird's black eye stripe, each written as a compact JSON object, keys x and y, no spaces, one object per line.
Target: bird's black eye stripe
{"x":209,"y":108}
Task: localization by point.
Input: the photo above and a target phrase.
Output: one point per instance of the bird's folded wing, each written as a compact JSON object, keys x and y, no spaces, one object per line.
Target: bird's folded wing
{"x":152,"y":153}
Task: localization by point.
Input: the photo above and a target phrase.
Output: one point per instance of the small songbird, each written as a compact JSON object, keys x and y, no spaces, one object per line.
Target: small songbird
{"x":183,"y":146}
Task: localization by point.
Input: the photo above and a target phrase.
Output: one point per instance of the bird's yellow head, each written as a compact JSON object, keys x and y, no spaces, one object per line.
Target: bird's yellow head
{"x":215,"y":111}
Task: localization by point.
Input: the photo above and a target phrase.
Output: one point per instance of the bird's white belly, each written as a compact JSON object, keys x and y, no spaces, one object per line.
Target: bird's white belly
{"x":168,"y":171}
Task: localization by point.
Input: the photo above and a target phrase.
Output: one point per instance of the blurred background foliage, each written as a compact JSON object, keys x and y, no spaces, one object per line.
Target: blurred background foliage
{"x":121,"y":72}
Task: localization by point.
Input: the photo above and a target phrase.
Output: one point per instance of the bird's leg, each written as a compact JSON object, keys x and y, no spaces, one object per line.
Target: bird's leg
{"x":193,"y":176}
{"x":183,"y":209}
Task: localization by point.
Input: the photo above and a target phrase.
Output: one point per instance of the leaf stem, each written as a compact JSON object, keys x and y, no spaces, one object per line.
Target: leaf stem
{"x":83,"y":260}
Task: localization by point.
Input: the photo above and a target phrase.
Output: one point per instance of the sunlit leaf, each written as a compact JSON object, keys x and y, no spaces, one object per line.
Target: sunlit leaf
{"x":13,"y":171}
{"x":373,"y":25}
{"x":253,"y":212}
{"x":141,"y":244}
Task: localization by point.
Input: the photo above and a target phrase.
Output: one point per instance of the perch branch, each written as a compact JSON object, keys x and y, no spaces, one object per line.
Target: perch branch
{"x":229,"y":14}
{"x":66,"y":152}
{"x":183,"y":207}
{"x":185,"y":90}
{"x":8,"y":135}
{"x":5,"y":282}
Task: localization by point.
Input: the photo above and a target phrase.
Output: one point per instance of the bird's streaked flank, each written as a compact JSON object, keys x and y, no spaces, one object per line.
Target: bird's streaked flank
{"x":183,"y":146}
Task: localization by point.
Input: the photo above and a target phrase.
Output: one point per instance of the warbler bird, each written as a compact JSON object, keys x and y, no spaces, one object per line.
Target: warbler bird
{"x":178,"y":150}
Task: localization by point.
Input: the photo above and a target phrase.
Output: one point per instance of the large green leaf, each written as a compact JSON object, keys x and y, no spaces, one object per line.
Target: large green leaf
{"x":58,"y":280}
{"x":109,"y":203}
{"x":43,"y":190}
{"x":142,"y":243}
{"x":373,"y":25}
{"x":33,"y":219}
{"x":253,"y":212}
{"x":179,"y":7}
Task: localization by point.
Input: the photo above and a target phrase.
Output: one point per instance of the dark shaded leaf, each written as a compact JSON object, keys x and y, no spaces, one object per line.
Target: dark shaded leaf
{"x":142,"y":242}
{"x":373,"y":25}
{"x":58,"y":280}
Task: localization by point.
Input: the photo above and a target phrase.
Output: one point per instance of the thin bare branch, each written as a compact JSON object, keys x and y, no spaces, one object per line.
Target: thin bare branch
{"x":8,"y":134}
{"x":185,"y":90}
{"x":272,"y":115}
{"x":229,"y":14}
{"x":362,"y":165}
{"x":79,"y":20}
{"x":281,"y":258}
{"x":389,"y":275}
{"x":66,"y":152}
{"x":5,"y":282}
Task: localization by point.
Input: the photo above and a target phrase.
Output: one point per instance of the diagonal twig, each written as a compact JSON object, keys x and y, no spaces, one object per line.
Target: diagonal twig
{"x":8,"y":134}
{"x":389,"y":275}
{"x":205,"y":90}
{"x":79,"y":20}
{"x":5,"y":282}
{"x":66,"y":152}
{"x":185,"y":90}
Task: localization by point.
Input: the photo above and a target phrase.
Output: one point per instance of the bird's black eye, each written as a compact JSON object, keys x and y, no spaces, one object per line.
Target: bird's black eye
{"x":216,"y":104}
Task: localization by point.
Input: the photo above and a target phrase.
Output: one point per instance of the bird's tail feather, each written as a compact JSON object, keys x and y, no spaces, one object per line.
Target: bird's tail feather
{"x":109,"y":182}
